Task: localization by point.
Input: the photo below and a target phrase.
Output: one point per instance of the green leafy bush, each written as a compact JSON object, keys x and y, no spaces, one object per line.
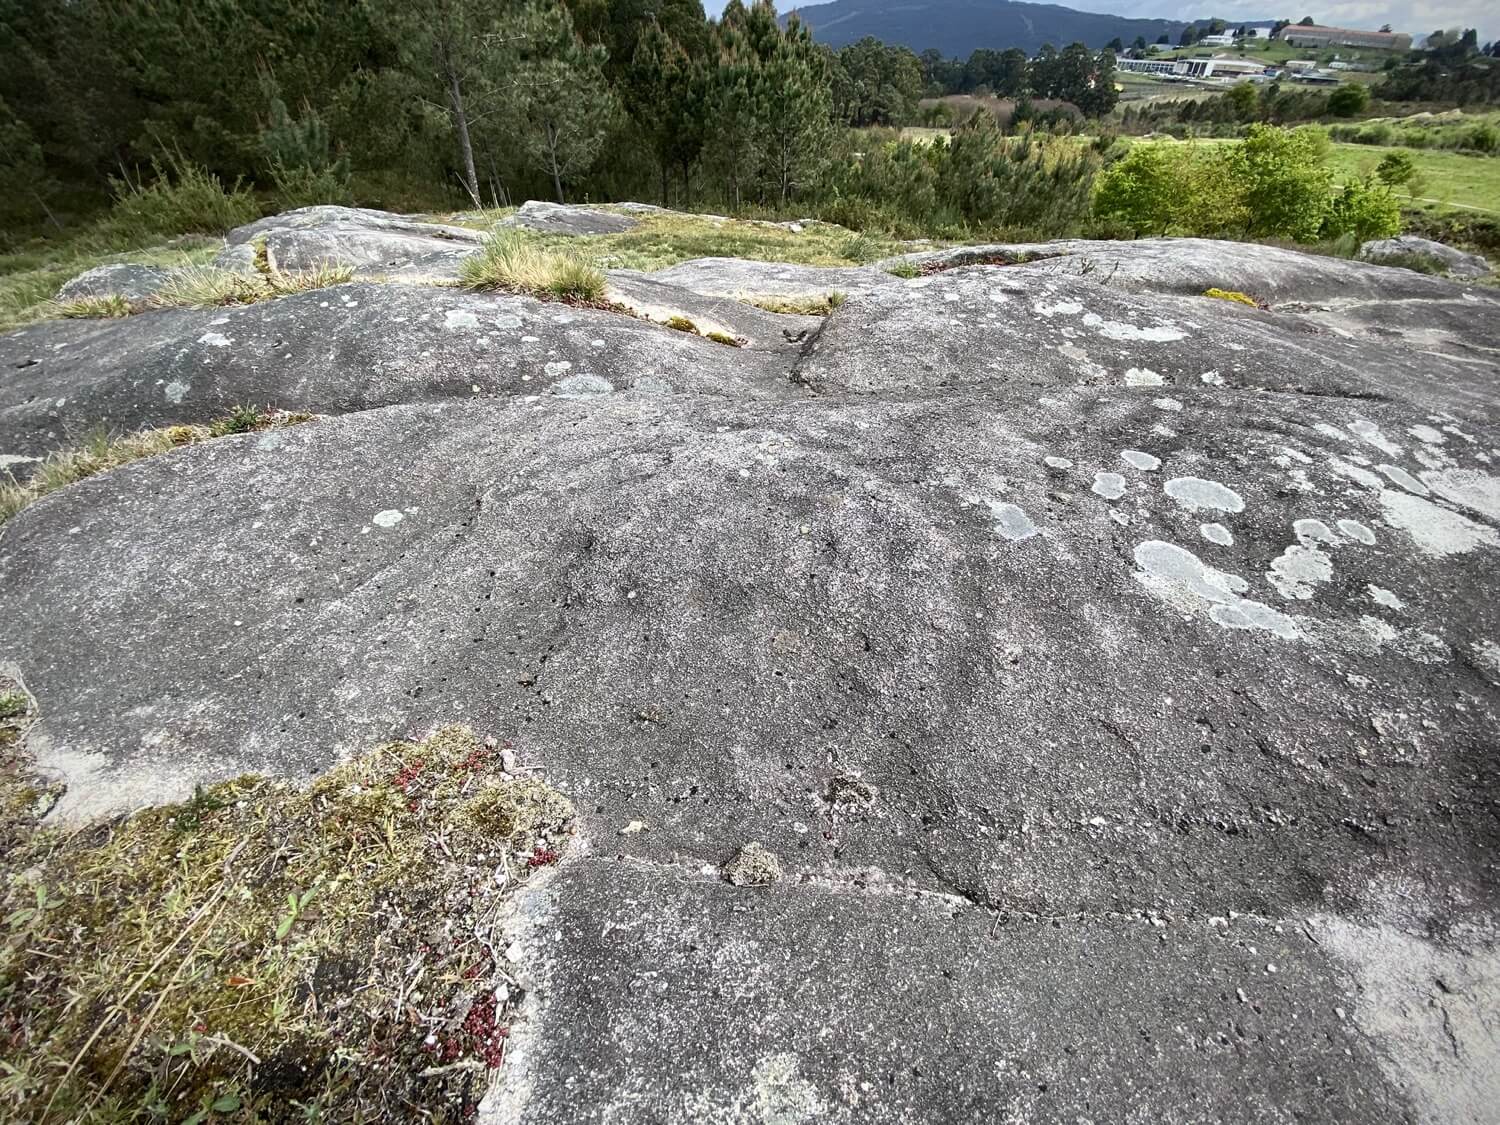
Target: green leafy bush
{"x":1365,"y":210}
{"x":181,"y":198}
{"x":1286,"y":181}
{"x":1348,"y":100}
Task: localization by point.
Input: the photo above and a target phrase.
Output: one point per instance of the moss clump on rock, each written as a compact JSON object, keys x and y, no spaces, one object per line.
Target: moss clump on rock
{"x":1232,"y":295}
{"x":264,"y":948}
{"x":753,"y":866}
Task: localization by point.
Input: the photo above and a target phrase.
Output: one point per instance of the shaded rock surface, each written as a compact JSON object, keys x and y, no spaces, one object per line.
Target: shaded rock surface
{"x":1114,"y":671}
{"x":345,"y":348}
{"x":373,"y":243}
{"x":560,"y":218}
{"x":1450,"y":259}
{"x":120,"y":279}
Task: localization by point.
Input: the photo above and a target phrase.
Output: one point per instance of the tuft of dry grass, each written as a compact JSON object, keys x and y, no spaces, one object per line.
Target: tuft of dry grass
{"x":265,"y":951}
{"x":103,"y":452}
{"x":801,"y":306}
{"x":207,"y":287}
{"x":110,"y":306}
{"x":516,"y":263}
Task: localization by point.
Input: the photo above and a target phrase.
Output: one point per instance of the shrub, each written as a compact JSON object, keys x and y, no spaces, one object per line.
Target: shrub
{"x":1141,"y":188}
{"x":511,"y":261}
{"x":181,"y":198}
{"x":1286,"y":181}
{"x":1395,"y":168}
{"x":904,"y":269}
{"x":1363,"y":210}
{"x":1348,"y":100}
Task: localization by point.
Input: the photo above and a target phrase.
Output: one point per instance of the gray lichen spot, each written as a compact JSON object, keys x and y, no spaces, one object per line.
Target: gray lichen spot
{"x":1183,"y":581}
{"x":557,"y":368}
{"x":582,"y":386}
{"x":1011,"y":521}
{"x":507,"y":321}
{"x":1143,"y":461}
{"x":1216,"y":533}
{"x":1315,"y":530}
{"x":1196,"y":494}
{"x":1298,"y":569}
{"x":1398,"y":475}
{"x":753,"y":866}
{"x":1437,"y":531}
{"x":176,"y":392}
{"x":1058,"y":462}
{"x":1427,"y":434}
{"x":1353,"y":529}
{"x":460,"y":318}
{"x":1168,"y":404}
{"x":388,"y":518}
{"x":1142,"y":377}
{"x":1370,"y":432}
{"x":1381,"y":596}
{"x":1355,"y":473}
{"x":215,"y":340}
{"x":1468,"y":488}
{"x":1111,"y":486}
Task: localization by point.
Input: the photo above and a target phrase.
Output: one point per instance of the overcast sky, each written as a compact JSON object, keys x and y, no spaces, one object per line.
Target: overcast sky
{"x":1418,"y":17}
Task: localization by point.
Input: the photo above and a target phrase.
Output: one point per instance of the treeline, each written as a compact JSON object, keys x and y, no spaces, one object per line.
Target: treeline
{"x":423,"y":103}
{"x":1244,"y":104}
{"x":1457,"y":71}
{"x":1074,"y":74}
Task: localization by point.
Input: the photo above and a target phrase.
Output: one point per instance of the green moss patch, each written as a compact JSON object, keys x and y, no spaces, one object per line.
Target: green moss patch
{"x":270,"y":952}
{"x":1233,"y":295}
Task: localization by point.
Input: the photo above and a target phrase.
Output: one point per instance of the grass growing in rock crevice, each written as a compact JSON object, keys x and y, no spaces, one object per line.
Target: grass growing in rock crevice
{"x":510,"y":261}
{"x":268,"y":952}
{"x":104,"y":452}
{"x":206,"y":287}
{"x":800,"y":306}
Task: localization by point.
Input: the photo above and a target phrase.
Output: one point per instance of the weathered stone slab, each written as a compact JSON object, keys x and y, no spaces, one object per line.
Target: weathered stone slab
{"x":120,"y":279}
{"x":559,"y":218}
{"x":1451,"y":260}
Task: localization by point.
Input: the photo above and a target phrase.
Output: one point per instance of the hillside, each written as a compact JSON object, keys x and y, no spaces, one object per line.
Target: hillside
{"x":957,"y":27}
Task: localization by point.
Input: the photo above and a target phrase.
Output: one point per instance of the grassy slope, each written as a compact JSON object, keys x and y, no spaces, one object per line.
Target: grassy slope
{"x":30,"y":277}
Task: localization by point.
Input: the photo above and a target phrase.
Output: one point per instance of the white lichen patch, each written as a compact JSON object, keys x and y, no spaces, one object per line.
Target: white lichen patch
{"x":1140,"y":460}
{"x":557,"y":368}
{"x":1119,"y":330}
{"x":1196,"y":494}
{"x":1370,"y":432}
{"x":215,"y":340}
{"x":1353,"y":529}
{"x":1397,"y":475}
{"x":1212,"y":378}
{"x":1058,"y":462}
{"x":1297,"y":570}
{"x":1437,"y":531}
{"x":1429,"y":434}
{"x":176,"y":392}
{"x":1468,"y":488}
{"x":1216,"y":533}
{"x":1179,"y":578}
{"x":1111,"y":486}
{"x":388,"y":518}
{"x":460,"y":318}
{"x":582,"y":386}
{"x":1170,"y":405}
{"x":1381,"y":596}
{"x":1487,"y":657}
{"x":1143,"y":377}
{"x":1062,"y":308}
{"x":1011,"y":521}
{"x":1313,"y":531}
{"x":1355,"y":473}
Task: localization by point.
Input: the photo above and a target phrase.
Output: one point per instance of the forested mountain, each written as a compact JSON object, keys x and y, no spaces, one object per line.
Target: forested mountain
{"x":956,"y":27}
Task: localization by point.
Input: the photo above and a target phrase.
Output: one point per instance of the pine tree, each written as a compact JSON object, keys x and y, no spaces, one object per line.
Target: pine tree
{"x":562,"y":102}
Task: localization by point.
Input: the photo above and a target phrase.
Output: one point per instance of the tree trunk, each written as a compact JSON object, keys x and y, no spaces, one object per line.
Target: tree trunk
{"x":664,"y":183}
{"x":465,"y":147}
{"x":687,"y":187}
{"x":552,"y":160}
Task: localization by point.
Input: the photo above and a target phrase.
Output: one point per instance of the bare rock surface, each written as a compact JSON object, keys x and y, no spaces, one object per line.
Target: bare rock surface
{"x":561,"y":218}
{"x":1448,"y":259}
{"x":373,"y":243}
{"x":1113,"y":671}
{"x":340,"y":349}
{"x":120,"y":279}
{"x":648,"y":295}
{"x":740,"y":278}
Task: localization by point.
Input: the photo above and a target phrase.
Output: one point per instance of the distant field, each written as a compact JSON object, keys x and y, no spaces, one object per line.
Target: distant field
{"x":1450,"y":179}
